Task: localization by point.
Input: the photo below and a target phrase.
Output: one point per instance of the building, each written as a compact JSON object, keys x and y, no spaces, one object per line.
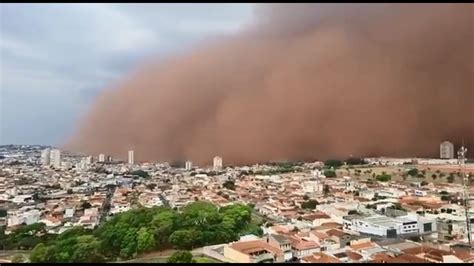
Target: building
{"x":101,"y":158}
{"x":45,"y":156}
{"x":189,"y":165}
{"x":388,"y":226}
{"x":131,"y":159}
{"x":55,"y":158}
{"x":281,"y":242}
{"x":217,"y":163}
{"x":446,"y":150}
{"x":255,"y":251}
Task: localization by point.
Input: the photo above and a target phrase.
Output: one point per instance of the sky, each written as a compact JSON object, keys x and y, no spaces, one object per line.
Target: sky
{"x":55,"y":58}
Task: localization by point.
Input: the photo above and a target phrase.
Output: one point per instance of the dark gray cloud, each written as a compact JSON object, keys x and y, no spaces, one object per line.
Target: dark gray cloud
{"x":55,"y":58}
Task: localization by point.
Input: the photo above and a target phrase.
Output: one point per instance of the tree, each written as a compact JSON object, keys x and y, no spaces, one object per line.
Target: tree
{"x":181,"y":256}
{"x":450,"y":178}
{"x":413,"y":172}
{"x":145,"y":240}
{"x":86,"y":205}
{"x":42,"y":253}
{"x":164,"y":224}
{"x":185,"y":239}
{"x":355,"y":161}
{"x":329,"y":173}
{"x":310,"y":204}
{"x":87,"y":250}
{"x":333,"y":163}
{"x":305,"y":197}
{"x":383,"y":177}
{"x":423,"y":183}
{"x":229,"y":184}
{"x":140,"y":173}
{"x":434,"y":176}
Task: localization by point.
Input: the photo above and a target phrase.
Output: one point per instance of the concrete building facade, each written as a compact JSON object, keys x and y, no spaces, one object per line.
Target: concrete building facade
{"x":446,"y":150}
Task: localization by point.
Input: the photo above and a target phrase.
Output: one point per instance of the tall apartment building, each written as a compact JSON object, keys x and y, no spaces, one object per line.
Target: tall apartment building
{"x":217,"y":163}
{"x":446,"y":150}
{"x":188,"y":165}
{"x":45,"y":156}
{"x":131,"y":159}
{"x":55,"y":158}
{"x":101,"y":158}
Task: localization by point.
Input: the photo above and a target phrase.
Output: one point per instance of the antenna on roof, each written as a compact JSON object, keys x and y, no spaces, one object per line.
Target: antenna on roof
{"x":466,"y":195}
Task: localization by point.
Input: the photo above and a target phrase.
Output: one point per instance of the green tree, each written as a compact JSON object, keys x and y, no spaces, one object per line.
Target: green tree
{"x":434,"y":176}
{"x":444,"y":197}
{"x":310,"y":204}
{"x":185,"y":239}
{"x":333,"y":163}
{"x":229,"y":184}
{"x":145,"y":240}
{"x":329,"y":173}
{"x":87,"y":250}
{"x":200,"y":214}
{"x":42,"y":254}
{"x":413,"y":172}
{"x":355,"y":161}
{"x":181,"y":256}
{"x":305,"y":197}
{"x":383,"y":177}
{"x":450,"y":178}
{"x":140,"y":173}
{"x":164,"y":224}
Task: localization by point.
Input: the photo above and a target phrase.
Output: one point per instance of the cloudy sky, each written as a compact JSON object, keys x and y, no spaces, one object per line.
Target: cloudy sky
{"x":55,"y":58}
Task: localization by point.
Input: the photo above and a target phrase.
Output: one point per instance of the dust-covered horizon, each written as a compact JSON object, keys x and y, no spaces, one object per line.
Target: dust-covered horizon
{"x":303,"y":81}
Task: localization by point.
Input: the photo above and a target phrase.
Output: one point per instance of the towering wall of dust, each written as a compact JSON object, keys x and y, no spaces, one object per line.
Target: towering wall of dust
{"x":305,"y":81}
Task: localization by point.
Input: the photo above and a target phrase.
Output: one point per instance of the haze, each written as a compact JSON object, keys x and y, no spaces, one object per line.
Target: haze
{"x":303,"y":81}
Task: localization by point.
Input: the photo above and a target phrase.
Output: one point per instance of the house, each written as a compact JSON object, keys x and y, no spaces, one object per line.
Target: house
{"x":253,"y":252}
{"x":301,"y":247}
{"x":283,"y":243}
{"x":319,"y":257}
{"x":340,"y":237}
{"x":317,"y":218}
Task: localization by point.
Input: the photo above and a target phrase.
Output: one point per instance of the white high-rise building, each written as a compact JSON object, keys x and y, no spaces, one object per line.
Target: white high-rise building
{"x":55,"y":158}
{"x":130,"y":157}
{"x":88,"y":160}
{"x":217,"y":163}
{"x":45,"y":156}
{"x":188,"y":165}
{"x":101,"y":157}
{"x":446,"y":150}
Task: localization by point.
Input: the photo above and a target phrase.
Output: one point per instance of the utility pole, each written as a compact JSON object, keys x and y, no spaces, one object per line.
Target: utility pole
{"x":466,"y":195}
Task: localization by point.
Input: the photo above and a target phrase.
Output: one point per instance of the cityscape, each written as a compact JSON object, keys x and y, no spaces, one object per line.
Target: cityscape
{"x":236,"y":133}
{"x":390,"y":210}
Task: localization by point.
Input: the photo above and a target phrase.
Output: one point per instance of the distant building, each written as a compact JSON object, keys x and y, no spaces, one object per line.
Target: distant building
{"x":217,"y":163}
{"x":189,"y":165}
{"x":88,"y":160}
{"x":55,"y":158}
{"x":45,"y":156}
{"x":131,"y":159}
{"x":101,"y":158}
{"x":446,"y":150}
{"x":109,"y":158}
